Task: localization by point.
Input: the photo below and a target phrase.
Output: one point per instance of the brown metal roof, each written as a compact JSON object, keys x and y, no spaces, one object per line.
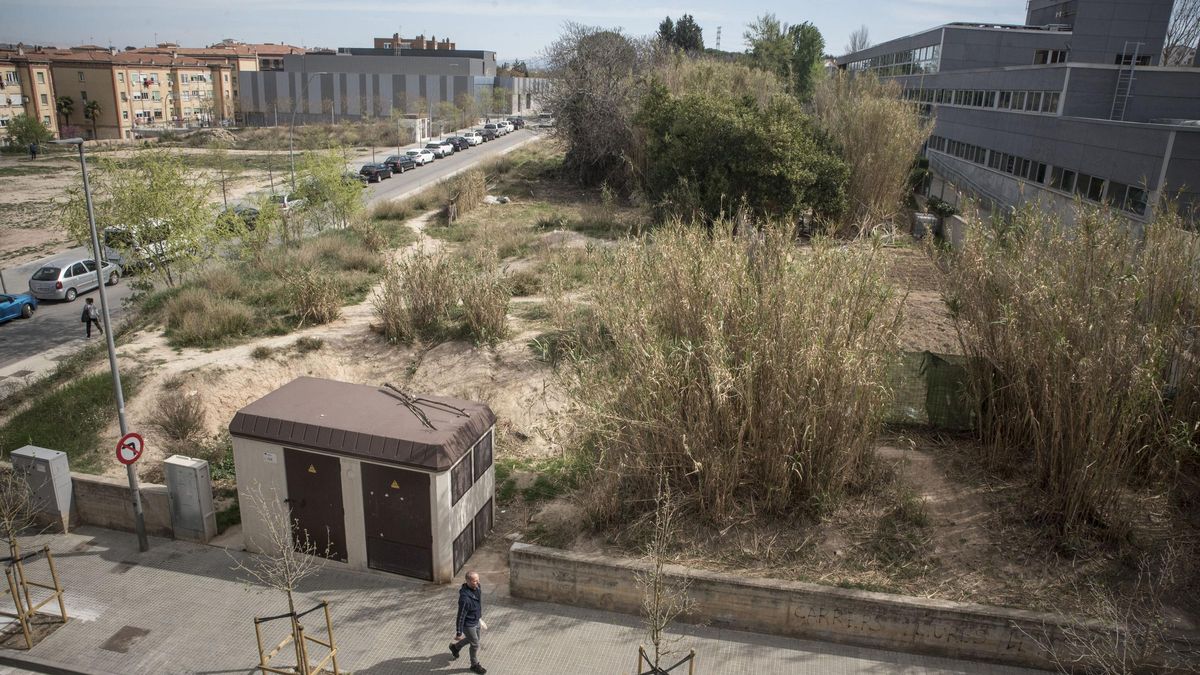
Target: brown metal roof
{"x":361,"y":421}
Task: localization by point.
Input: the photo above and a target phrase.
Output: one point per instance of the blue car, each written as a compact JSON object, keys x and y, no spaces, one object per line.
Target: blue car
{"x":13,"y":306}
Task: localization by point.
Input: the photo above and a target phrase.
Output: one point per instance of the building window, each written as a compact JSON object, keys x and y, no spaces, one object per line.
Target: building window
{"x":3,"y":122}
{"x":12,"y":77}
{"x":124,"y":114}
{"x":1126,"y":59}
{"x":124,"y":98}
{"x":41,"y":77}
{"x":80,"y":72}
{"x":121,"y":77}
{"x":482,"y":455}
{"x":1062,"y":179}
{"x":44,"y":100}
{"x":46,"y":120}
{"x":83,"y":95}
{"x":461,"y":479}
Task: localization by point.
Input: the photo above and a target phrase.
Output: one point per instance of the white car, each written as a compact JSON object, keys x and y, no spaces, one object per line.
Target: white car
{"x":440,"y":149}
{"x":506,"y":126}
{"x":421,"y":156}
{"x":473,"y":138}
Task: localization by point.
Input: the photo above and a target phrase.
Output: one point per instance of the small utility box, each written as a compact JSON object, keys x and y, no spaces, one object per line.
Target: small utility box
{"x":49,"y":478}
{"x":189,"y":491}
{"x":377,"y":478}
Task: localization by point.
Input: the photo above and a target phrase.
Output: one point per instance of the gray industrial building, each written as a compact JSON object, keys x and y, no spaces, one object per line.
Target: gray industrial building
{"x":1074,"y":104}
{"x":356,"y":83}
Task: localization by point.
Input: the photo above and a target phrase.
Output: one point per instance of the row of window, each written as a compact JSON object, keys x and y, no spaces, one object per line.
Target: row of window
{"x":470,"y":468}
{"x":1022,"y":101}
{"x":12,"y":77}
{"x":1092,"y":188}
{"x":1043,"y":56}
{"x":906,"y":62}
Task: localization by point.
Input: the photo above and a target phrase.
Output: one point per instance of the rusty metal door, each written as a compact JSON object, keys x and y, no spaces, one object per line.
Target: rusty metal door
{"x":314,"y":485}
{"x":397,"y":520}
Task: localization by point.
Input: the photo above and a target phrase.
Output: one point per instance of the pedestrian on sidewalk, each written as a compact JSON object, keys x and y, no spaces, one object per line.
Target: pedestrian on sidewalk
{"x":33,"y":150}
{"x":91,"y":317}
{"x":469,"y":621}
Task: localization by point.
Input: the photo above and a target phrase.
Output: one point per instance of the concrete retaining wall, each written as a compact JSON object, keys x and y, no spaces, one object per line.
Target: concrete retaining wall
{"x":795,"y":609}
{"x":106,"y":502}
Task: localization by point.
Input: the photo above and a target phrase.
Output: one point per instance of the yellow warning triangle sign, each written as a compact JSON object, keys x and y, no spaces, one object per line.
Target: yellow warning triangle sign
{"x":395,"y":485}
{"x":312,"y":469}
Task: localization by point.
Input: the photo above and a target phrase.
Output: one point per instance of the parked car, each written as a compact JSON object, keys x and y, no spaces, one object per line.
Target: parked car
{"x":473,"y":137}
{"x":133,"y":248}
{"x":490,"y":132}
{"x":287,"y":202}
{"x":375,"y":172}
{"x":459,"y":143}
{"x":421,"y":156}
{"x":21,"y":305}
{"x":517,"y":122}
{"x":67,"y":279}
{"x":439,"y":149}
{"x":505,"y":126}
{"x":400,"y":163}
{"x":246,"y":214}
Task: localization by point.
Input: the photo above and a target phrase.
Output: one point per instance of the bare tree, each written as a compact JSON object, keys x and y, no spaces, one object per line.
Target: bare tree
{"x":1183,"y":33}
{"x":860,"y":39}
{"x":663,"y":599}
{"x":18,"y":510}
{"x":289,"y":554}
{"x":597,"y":86}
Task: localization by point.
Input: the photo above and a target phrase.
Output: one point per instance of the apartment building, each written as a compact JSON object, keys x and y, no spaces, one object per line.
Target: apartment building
{"x":27,"y":88}
{"x":1073,"y":104}
{"x":131,"y":91}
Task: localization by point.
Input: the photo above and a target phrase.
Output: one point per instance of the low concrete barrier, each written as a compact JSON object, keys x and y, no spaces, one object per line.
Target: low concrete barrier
{"x":797,"y":609}
{"x":106,"y":502}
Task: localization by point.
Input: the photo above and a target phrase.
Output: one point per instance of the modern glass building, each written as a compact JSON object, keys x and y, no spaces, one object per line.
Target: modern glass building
{"x":1072,"y":105}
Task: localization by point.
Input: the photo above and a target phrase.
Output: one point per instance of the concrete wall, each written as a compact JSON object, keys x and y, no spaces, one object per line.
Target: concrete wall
{"x":106,"y":502}
{"x":795,"y":609}
{"x":450,"y":522}
{"x":1102,"y":27}
{"x":259,"y":467}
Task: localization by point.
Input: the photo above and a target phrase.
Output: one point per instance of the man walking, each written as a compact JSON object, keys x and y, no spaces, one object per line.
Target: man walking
{"x":469,"y":621}
{"x":91,"y":317}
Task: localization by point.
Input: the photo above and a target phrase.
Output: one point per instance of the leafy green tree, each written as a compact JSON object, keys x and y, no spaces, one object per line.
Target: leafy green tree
{"x":684,"y":34}
{"x":446,"y":116}
{"x":688,"y":35}
{"x":25,"y":129}
{"x":161,"y":210}
{"x":65,"y":105}
{"x":666,"y":31}
{"x":791,"y":52}
{"x":331,"y":197}
{"x":711,"y":155}
{"x":92,"y":112}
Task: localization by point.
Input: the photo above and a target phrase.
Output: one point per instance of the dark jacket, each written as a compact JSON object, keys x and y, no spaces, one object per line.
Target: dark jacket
{"x":470,"y":608}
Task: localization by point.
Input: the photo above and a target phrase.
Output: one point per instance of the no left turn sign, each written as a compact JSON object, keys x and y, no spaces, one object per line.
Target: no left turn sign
{"x":129,"y":448}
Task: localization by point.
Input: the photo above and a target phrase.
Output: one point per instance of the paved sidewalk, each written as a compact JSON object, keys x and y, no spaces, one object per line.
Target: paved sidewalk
{"x":180,"y":609}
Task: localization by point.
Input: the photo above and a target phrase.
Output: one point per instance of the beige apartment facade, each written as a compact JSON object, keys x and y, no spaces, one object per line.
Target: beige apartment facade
{"x":27,"y":88}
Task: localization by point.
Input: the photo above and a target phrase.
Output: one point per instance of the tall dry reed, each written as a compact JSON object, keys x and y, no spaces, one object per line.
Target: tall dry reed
{"x":751,"y":370}
{"x":465,"y":193}
{"x":1083,"y":341}
{"x":879,"y":135}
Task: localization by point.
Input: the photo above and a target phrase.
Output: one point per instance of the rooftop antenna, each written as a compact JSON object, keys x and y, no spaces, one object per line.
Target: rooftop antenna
{"x":718,"y":38}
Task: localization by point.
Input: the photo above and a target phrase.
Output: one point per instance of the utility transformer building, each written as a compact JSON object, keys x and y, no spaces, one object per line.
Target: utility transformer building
{"x":380,"y":82}
{"x":1075,"y":104}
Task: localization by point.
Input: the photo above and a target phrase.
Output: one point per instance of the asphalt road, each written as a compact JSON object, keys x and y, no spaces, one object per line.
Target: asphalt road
{"x":57,"y":323}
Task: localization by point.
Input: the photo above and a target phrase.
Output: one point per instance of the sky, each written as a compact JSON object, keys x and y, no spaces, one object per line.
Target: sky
{"x":514,"y":29}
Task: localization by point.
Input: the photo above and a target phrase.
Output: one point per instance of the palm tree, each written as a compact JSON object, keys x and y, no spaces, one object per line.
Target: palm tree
{"x":92,"y":112}
{"x":65,"y":106}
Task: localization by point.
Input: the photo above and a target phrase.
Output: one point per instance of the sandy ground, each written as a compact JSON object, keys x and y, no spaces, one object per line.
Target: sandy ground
{"x":519,"y":389}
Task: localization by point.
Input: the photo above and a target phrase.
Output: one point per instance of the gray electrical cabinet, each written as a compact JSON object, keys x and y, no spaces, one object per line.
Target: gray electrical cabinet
{"x":49,"y":478}
{"x":189,"y":490}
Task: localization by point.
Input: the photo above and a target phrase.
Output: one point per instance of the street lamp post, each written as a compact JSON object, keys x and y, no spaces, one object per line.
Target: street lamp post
{"x":292,"y":129}
{"x":139,"y":515}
